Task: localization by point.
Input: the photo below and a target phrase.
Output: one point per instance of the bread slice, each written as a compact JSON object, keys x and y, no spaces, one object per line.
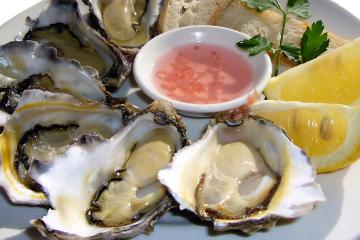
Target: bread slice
{"x":180,"y":13}
{"x":236,"y":15}
{"x":268,"y":23}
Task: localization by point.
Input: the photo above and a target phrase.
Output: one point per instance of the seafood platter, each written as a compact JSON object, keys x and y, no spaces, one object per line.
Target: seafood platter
{"x":88,"y":152}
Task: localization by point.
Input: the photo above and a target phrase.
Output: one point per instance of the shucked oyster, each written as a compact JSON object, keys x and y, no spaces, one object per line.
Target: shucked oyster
{"x":243,"y":175}
{"x":42,"y":127}
{"x":61,"y":26}
{"x":31,"y":65}
{"x":128,"y":23}
{"x":107,"y":188}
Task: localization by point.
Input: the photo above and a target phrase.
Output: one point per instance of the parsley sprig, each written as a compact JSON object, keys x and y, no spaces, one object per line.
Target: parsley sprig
{"x":313,"y":42}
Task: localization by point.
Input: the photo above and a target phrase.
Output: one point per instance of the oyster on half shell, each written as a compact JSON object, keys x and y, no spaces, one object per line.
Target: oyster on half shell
{"x":243,"y":175}
{"x":31,"y":65}
{"x":42,"y":128}
{"x":128,"y":23}
{"x":114,"y":191}
{"x":61,"y":26}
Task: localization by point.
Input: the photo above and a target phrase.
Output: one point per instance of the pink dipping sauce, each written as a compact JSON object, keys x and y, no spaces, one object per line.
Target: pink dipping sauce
{"x":202,"y":73}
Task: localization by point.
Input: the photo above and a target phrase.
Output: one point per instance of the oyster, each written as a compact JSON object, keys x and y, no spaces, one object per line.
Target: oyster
{"x":243,"y":175}
{"x":128,"y":23}
{"x":30,"y":65}
{"x":114,"y":189}
{"x":62,"y":26}
{"x":42,"y":127}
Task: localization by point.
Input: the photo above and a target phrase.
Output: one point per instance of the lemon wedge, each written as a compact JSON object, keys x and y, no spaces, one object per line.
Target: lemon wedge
{"x":333,"y":77}
{"x":329,"y":133}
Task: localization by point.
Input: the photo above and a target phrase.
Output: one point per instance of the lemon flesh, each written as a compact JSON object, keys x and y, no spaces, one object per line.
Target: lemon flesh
{"x":329,"y":133}
{"x":331,"y":78}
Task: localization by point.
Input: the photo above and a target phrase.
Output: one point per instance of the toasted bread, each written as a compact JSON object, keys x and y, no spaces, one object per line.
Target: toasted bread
{"x":180,"y":13}
{"x":236,"y":15}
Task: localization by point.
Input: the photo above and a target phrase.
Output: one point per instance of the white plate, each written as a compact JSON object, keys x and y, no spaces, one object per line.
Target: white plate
{"x":338,"y":218}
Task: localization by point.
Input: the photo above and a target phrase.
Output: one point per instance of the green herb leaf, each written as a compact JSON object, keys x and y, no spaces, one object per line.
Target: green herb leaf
{"x":299,"y":7}
{"x":255,"y":45}
{"x":292,"y":52}
{"x":262,"y":5}
{"x":314,"y":42}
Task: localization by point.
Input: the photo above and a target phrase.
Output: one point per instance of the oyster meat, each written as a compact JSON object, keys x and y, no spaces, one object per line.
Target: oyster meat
{"x":243,"y":175}
{"x":128,"y":23}
{"x":30,"y":65}
{"x":114,"y":191}
{"x":42,"y":128}
{"x":62,"y":26}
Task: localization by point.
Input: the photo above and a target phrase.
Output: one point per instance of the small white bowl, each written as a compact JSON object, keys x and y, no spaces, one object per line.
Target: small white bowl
{"x":223,"y":37}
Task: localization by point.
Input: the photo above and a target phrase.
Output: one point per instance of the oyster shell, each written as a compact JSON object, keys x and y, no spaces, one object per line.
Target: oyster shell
{"x":62,"y":26}
{"x":31,"y":65}
{"x":42,"y":127}
{"x":243,"y":175}
{"x":114,"y":189}
{"x":3,"y":118}
{"x":128,"y":23}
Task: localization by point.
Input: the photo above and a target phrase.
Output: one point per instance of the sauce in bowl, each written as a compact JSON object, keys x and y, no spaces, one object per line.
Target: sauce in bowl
{"x":202,"y":73}
{"x":200,"y":70}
